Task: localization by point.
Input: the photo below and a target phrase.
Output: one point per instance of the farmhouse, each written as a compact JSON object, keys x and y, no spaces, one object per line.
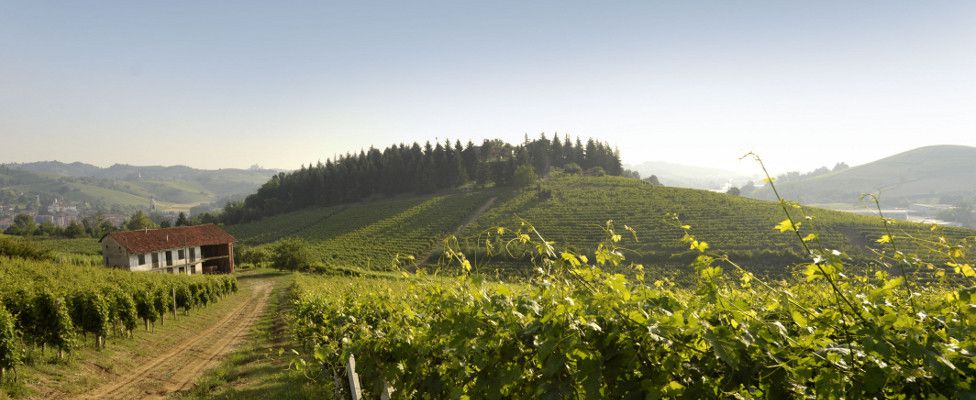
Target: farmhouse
{"x":180,"y":250}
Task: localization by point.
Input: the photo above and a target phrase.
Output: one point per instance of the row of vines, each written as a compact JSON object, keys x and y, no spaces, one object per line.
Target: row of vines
{"x":47,"y":305}
{"x":739,"y":226}
{"x":368,"y":235}
{"x":579,"y":332}
{"x":581,"y":329}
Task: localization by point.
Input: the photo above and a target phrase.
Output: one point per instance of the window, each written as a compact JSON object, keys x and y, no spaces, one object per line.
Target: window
{"x":142,"y":259}
{"x":182,"y":270}
{"x":180,"y":254}
{"x":169,"y":258}
{"x":193,"y":254}
{"x":193,"y":269}
{"x":155,"y":260}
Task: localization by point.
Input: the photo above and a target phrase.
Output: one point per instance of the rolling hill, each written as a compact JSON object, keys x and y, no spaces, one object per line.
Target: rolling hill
{"x":128,"y":187}
{"x":569,"y":210}
{"x":926,"y":174}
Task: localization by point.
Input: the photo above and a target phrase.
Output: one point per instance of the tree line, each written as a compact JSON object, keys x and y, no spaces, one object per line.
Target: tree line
{"x":97,"y":225}
{"x":400,"y":169}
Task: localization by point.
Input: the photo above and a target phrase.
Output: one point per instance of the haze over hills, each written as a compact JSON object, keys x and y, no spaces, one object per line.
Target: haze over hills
{"x":936,"y":174}
{"x":690,"y":176}
{"x":128,"y":186}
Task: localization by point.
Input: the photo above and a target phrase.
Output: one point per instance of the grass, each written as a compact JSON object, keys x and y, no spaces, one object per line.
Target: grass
{"x":259,"y":368}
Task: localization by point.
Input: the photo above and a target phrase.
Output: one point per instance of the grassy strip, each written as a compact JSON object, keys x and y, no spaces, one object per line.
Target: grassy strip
{"x":258,"y":369}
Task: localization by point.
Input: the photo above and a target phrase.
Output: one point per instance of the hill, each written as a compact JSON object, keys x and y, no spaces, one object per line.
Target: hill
{"x":569,"y":210}
{"x":926,"y":174}
{"x":368,"y":234}
{"x":127,"y":186}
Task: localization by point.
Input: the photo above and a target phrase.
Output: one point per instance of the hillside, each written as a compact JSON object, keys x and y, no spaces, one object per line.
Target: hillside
{"x":368,"y":234}
{"x":572,"y":210}
{"x":926,"y":174}
{"x":126,"y":186}
{"x":569,"y":210}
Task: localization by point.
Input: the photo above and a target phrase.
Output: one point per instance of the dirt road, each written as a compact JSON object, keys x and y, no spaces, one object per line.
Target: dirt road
{"x":177,"y":368}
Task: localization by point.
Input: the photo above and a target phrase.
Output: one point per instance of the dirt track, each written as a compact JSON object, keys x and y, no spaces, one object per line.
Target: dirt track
{"x":177,"y":368}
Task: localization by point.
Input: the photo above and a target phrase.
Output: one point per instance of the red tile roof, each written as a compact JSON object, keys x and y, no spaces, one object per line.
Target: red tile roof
{"x":145,"y":241}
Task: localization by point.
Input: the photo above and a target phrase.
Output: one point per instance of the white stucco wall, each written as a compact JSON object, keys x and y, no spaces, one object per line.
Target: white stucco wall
{"x":115,"y":255}
{"x":189,"y":267}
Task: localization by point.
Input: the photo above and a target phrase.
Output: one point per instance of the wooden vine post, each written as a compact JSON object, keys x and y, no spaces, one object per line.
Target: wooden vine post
{"x":355,"y":389}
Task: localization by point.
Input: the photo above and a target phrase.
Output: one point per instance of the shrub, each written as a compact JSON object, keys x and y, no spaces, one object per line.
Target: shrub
{"x":293,"y":254}
{"x":254,"y":255}
{"x":596,"y":171}
{"x":21,"y":249}
{"x":54,"y":322}
{"x":9,"y":345}
{"x":573,"y":169}
{"x":524,"y":176}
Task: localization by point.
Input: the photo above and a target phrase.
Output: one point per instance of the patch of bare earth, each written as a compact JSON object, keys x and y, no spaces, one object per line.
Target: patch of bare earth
{"x":175,"y":368}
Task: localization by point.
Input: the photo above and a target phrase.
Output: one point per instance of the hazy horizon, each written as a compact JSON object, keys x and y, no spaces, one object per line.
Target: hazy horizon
{"x":207,"y":86}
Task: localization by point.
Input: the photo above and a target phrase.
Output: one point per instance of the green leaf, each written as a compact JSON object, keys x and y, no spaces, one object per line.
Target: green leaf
{"x":798,"y":317}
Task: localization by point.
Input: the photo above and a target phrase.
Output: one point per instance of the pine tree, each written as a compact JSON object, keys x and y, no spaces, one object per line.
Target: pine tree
{"x":556,"y":149}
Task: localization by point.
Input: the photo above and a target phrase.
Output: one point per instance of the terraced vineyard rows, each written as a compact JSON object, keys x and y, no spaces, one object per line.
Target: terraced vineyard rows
{"x":371,"y":234}
{"x":571,"y":210}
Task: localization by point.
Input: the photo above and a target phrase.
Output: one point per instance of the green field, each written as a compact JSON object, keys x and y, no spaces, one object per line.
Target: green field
{"x":79,"y":246}
{"x":369,"y":234}
{"x":572,"y":211}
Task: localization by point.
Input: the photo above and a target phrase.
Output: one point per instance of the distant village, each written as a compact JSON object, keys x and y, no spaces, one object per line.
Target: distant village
{"x":58,"y":215}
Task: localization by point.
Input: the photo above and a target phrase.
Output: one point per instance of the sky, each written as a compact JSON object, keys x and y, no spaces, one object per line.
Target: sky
{"x":230,"y":84}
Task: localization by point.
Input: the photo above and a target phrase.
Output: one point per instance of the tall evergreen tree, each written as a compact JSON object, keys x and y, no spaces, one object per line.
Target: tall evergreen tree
{"x":413,"y":169}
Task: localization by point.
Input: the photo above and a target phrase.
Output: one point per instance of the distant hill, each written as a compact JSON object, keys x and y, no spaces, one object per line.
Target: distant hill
{"x":128,"y":186}
{"x":689,"y":176}
{"x":926,"y":174}
{"x":569,"y":210}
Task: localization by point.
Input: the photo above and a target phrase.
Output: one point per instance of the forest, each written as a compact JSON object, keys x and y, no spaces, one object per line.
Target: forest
{"x":403,"y":169}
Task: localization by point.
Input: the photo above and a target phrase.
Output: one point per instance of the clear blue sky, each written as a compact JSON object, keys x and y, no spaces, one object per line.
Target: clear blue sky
{"x":229,"y":84}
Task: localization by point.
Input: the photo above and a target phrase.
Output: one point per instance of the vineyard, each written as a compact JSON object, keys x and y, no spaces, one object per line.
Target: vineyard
{"x":47,"y":305}
{"x":577,"y":331}
{"x":571,"y":210}
{"x":371,"y":234}
{"x":79,"y":246}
